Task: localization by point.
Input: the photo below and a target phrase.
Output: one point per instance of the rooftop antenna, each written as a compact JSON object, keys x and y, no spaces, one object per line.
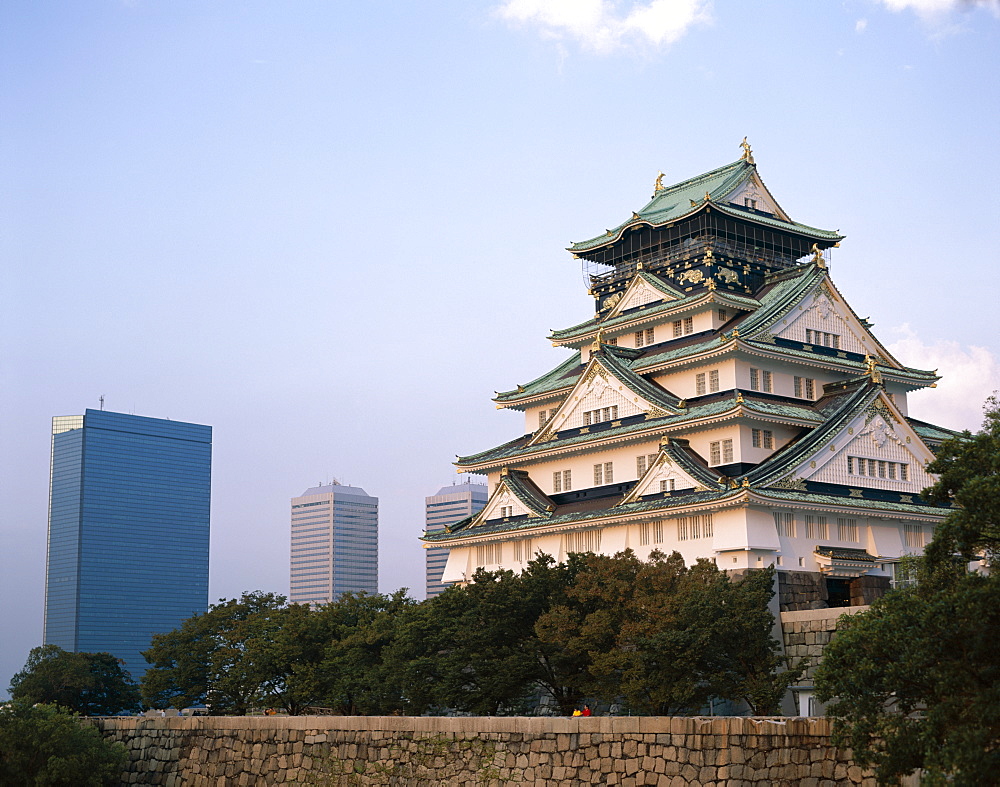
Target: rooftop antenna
{"x":102,"y":401}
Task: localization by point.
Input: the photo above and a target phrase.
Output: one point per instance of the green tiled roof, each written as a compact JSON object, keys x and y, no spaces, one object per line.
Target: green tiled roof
{"x":795,"y":497}
{"x":593,"y":324}
{"x":675,"y":202}
{"x":519,"y":448}
{"x":931,"y":432}
{"x":461,"y":529}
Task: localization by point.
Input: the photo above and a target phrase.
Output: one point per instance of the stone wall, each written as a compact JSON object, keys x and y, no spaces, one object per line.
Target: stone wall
{"x":336,"y":750}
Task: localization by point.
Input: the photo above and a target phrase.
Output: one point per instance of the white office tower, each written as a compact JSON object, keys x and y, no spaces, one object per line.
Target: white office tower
{"x":449,"y":505}
{"x":334,"y":543}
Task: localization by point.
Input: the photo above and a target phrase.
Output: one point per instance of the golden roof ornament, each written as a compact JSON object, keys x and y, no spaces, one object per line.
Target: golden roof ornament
{"x":708,"y":197}
{"x":711,"y":284}
{"x":520,"y":389}
{"x":747,"y":153}
{"x":872,"y":369}
{"x":746,"y":482}
{"x":739,"y":397}
{"x":665,"y":440}
{"x":658,"y":186}
{"x":818,"y":256}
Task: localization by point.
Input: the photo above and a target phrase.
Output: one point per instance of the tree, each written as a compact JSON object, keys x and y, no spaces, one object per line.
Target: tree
{"x":94,"y":684}
{"x":221,"y":658}
{"x":44,"y":744}
{"x":915,"y":681}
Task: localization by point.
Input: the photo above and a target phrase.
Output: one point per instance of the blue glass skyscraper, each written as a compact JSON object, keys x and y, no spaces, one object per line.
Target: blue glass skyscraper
{"x":128,"y":531}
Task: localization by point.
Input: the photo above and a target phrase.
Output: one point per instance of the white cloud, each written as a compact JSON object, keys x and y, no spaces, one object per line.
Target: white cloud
{"x":968,"y":376}
{"x":860,"y":25}
{"x":601,"y":26}
{"x":936,"y":12}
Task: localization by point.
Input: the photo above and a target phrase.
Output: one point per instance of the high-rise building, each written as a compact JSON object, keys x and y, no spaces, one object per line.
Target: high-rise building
{"x":129,"y":501}
{"x":449,"y":505}
{"x":334,"y":543}
{"x":722,"y":400}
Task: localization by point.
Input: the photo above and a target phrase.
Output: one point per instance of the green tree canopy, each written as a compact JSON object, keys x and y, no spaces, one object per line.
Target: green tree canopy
{"x":94,"y":684}
{"x":47,"y":745}
{"x":915,"y":681}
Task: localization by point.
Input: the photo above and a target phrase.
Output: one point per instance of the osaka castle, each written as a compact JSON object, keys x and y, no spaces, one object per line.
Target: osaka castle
{"x":723,"y":401}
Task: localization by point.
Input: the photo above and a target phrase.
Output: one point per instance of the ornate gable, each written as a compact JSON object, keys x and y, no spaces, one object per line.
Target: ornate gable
{"x":515,"y":495}
{"x":878,"y":449}
{"x":753,"y":194}
{"x":643,"y":289}
{"x":822,"y":318}
{"x":605,"y":391}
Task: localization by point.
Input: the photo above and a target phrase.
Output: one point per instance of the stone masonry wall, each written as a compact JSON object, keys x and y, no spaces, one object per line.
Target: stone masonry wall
{"x":806,"y":634}
{"x":336,"y":750}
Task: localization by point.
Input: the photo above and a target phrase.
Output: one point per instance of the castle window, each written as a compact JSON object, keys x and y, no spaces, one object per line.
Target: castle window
{"x":506,"y":511}
{"x":545,"y":416}
{"x":816,"y":527}
{"x":692,"y":527}
{"x":600,"y":415}
{"x":522,"y":550}
{"x":678,"y":328}
{"x":805,"y":388}
{"x":760,"y":380}
{"x":667,"y":485}
{"x":585,"y":541}
{"x":713,"y":380}
{"x":642,"y":463}
{"x":903,"y":474}
{"x":847,"y":529}
{"x":658,"y":531}
{"x":644,"y":534}
{"x":603,"y":474}
{"x":723,"y":315}
{"x":913,"y":535}
{"x":562,"y":481}
{"x":750,"y":203}
{"x":784,"y":522}
{"x":643,"y":338}
{"x":489,"y":554}
{"x":823,"y":338}
{"x":720,"y":452}
{"x":699,"y":384}
{"x":688,"y":325}
{"x":613,"y":341}
{"x":762,"y":438}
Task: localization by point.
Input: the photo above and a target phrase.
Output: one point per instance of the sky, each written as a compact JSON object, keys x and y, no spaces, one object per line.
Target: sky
{"x":332,"y":230}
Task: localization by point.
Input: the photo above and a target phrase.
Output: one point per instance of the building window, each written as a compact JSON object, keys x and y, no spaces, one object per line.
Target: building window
{"x":692,"y":527}
{"x":876,"y":468}
{"x":688,"y":325}
{"x":762,"y":438}
{"x":760,"y":380}
{"x":489,"y":554}
{"x":545,"y":416}
{"x":667,"y":485}
{"x":561,"y":481}
{"x":658,"y":531}
{"x":643,"y":338}
{"x":720,"y":452}
{"x":506,"y":511}
{"x":522,"y":550}
{"x":784,"y":522}
{"x":699,"y":384}
{"x":750,"y":203}
{"x":816,"y":527}
{"x":584,"y":541}
{"x":644,"y":534}
{"x":603,"y":474}
{"x":678,"y":328}
{"x":847,"y":529}
{"x":643,"y":463}
{"x":822,"y":338}
{"x":600,"y":415}
{"x":805,"y":388}
{"x":913,"y":535}
{"x":713,"y":381}
{"x":613,"y":341}
{"x":723,"y":315}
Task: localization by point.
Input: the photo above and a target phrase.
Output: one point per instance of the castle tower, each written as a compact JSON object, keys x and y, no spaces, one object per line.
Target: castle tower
{"x":723,"y":401}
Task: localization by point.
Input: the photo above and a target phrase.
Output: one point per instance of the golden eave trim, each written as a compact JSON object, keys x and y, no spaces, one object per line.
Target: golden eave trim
{"x":760,"y":496}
